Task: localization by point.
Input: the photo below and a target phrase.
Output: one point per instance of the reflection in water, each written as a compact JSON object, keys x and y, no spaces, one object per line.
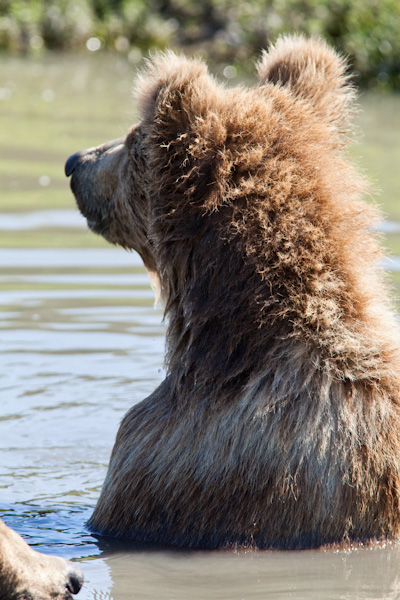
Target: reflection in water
{"x":307,"y":575}
{"x":80,"y":343}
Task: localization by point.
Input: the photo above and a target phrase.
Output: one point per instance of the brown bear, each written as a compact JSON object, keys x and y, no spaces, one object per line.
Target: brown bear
{"x":278,"y":423}
{"x":29,"y":575}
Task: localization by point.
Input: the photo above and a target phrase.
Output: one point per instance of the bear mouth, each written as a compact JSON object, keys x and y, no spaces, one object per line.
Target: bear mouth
{"x":94,"y":226}
{"x":97,"y":211}
{"x":97,"y":221}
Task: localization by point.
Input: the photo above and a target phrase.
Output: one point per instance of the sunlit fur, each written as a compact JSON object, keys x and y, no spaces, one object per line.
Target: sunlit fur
{"x":278,"y":422}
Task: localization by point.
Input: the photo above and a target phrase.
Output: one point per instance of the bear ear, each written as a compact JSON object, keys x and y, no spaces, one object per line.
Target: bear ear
{"x":171,"y":82}
{"x":183,"y":122}
{"x":312,"y":71}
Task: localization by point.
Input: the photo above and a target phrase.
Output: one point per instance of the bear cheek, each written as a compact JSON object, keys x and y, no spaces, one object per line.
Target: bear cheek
{"x":131,"y":224}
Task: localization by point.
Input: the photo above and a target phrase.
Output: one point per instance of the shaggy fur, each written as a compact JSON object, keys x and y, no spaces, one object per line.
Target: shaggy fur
{"x":278,"y":423}
{"x":29,"y":575}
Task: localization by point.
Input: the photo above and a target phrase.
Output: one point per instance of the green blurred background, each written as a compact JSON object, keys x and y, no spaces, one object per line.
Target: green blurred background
{"x":232,"y":31}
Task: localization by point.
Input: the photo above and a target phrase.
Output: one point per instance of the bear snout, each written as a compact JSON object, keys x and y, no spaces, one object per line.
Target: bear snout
{"x":92,"y":155}
{"x":97,"y":182}
{"x":75,"y":579}
{"x":72,"y":163}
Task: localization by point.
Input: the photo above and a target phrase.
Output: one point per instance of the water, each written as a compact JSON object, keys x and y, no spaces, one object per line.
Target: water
{"x":81,"y":342}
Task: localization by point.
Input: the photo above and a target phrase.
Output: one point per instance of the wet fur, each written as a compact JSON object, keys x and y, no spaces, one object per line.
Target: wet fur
{"x":277,"y":425}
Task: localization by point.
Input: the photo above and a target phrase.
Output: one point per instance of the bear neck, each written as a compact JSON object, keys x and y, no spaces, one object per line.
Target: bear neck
{"x":232,"y":321}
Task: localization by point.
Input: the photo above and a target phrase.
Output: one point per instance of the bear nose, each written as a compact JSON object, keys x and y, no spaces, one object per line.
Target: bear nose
{"x":72,"y":163}
{"x":74,"y":580}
